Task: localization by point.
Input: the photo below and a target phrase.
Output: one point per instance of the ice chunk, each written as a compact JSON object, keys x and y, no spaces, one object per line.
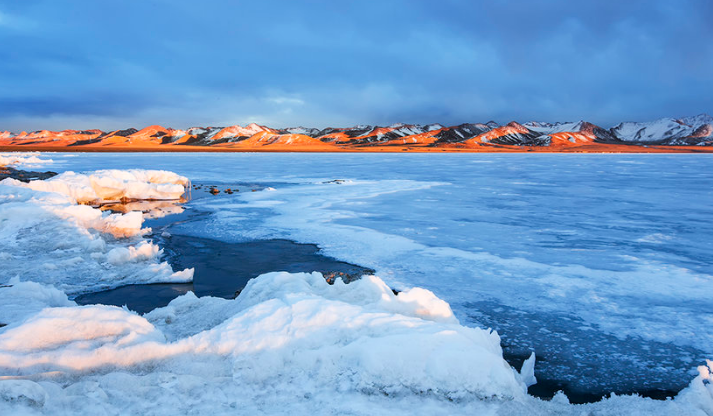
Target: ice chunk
{"x":24,"y":392}
{"x":113,"y":185}
{"x":699,"y":393}
{"x":76,"y":248}
{"x":527,"y":372}
{"x":77,"y":338}
{"x":23,"y":160}
{"x":142,"y":251}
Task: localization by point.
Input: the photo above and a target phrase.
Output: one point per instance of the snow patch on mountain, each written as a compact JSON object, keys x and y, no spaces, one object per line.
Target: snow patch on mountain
{"x":664,"y":129}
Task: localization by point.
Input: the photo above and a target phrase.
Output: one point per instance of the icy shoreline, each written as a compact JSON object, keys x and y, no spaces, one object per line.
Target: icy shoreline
{"x":289,"y":342}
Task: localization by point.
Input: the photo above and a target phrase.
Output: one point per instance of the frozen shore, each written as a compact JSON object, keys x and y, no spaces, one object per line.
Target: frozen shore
{"x":288,"y":343}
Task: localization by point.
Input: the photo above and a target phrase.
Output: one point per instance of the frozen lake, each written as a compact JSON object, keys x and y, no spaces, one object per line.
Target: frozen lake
{"x":601,"y":264}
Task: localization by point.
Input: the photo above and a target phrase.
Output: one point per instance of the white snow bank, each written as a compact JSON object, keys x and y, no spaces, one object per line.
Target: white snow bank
{"x":23,"y":160}
{"x":22,"y":392}
{"x":46,"y":237}
{"x":75,"y":334}
{"x":361,"y":336}
{"x":22,"y":299}
{"x":114,"y":185}
{"x":290,"y":343}
{"x":700,"y":392}
{"x":291,"y":330}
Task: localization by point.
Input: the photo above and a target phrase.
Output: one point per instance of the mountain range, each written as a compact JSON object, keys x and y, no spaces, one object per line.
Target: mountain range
{"x":682,"y":133}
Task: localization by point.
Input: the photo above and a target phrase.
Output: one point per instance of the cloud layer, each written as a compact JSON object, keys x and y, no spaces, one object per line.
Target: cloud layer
{"x":88,"y":64}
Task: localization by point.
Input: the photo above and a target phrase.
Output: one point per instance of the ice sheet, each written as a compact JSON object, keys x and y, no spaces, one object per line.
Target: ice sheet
{"x":617,"y":243}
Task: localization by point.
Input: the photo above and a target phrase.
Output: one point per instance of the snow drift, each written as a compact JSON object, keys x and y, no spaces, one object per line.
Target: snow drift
{"x":290,"y":331}
{"x":23,"y":160}
{"x":288,"y":342}
{"x":114,"y":185}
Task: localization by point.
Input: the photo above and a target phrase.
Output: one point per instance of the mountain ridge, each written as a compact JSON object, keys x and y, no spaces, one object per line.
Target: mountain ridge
{"x":684,"y":131}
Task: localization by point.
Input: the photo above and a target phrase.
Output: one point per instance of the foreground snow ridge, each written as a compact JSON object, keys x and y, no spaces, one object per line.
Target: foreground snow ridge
{"x":289,"y":341}
{"x":283,"y":329}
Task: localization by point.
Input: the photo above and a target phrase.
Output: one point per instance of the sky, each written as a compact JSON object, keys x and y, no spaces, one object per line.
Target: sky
{"x":181,"y":63}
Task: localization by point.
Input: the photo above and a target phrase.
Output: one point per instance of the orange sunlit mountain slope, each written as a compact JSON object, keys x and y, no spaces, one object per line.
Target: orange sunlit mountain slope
{"x":688,"y":134}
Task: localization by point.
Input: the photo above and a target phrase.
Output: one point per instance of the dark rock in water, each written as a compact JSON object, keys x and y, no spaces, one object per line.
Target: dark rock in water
{"x":2,"y":325}
{"x":214,"y":191}
{"x":24,"y":175}
{"x":330,"y":277}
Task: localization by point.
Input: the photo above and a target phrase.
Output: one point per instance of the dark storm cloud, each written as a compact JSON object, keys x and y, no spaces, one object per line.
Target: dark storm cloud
{"x":338,"y":63}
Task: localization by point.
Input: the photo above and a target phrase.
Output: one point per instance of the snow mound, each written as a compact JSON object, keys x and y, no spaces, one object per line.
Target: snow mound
{"x":114,"y":185}
{"x":288,"y":343}
{"x":77,"y":332}
{"x":287,"y":331}
{"x":22,"y":392}
{"x":361,"y":337}
{"x":23,"y":160}
{"x":22,"y":299}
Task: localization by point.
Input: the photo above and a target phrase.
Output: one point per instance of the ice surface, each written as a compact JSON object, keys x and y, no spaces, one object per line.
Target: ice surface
{"x":613,"y":246}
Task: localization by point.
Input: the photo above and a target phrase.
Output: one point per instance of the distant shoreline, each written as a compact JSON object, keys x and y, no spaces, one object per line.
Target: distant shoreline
{"x":588,"y":148}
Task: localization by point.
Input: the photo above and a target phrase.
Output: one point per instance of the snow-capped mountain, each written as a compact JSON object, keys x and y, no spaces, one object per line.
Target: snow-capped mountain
{"x":684,"y":131}
{"x":309,"y":131}
{"x":514,"y":134}
{"x":557,"y":136}
{"x":462,"y":132}
{"x":364,"y":134}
